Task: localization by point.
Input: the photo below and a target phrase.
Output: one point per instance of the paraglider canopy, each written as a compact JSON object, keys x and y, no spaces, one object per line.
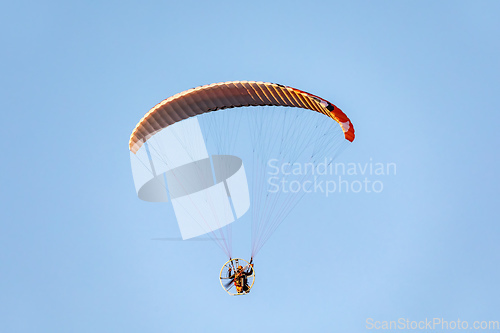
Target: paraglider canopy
{"x":218,"y":96}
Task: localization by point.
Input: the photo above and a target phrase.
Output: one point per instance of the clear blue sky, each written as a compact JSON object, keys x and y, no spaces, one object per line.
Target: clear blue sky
{"x":419,"y":80}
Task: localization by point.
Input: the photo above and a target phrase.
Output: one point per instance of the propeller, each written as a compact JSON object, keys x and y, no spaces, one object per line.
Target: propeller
{"x":227,"y":284}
